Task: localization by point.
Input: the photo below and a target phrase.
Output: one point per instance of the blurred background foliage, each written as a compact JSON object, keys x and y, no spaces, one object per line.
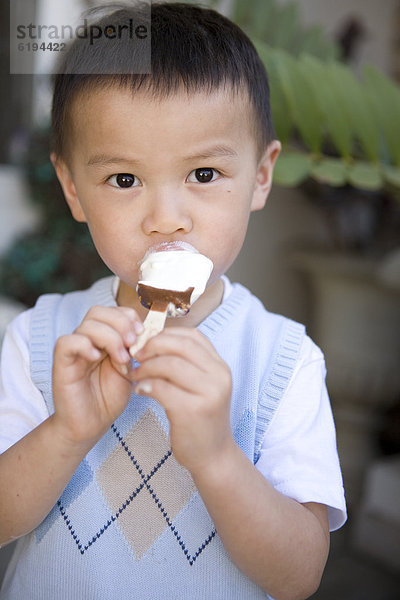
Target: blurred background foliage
{"x":334,"y":128}
{"x":340,"y":132}
{"x":280,"y":26}
{"x":346,"y":131}
{"x":59,"y":254}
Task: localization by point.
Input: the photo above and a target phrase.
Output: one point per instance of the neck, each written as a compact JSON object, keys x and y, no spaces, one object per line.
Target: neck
{"x":205,"y":305}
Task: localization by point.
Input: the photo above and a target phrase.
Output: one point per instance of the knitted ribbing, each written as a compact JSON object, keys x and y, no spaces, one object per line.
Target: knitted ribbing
{"x":46,"y":327}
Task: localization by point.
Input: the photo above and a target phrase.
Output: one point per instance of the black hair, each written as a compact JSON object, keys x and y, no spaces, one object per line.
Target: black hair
{"x":192,"y":48}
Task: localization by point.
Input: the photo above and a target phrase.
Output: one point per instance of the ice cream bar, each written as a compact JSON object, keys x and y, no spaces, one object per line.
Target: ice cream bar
{"x":172,"y":277}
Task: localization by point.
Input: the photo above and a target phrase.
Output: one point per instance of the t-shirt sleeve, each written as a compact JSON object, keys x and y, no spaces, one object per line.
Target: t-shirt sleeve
{"x":298,"y":454}
{"x":22,"y":407}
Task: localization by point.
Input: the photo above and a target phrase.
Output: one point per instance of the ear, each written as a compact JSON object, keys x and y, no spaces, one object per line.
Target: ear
{"x":67,"y":183}
{"x":264,"y":174}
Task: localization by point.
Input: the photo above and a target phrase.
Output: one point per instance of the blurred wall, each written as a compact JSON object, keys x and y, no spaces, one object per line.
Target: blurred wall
{"x":15,"y":92}
{"x":377,"y":17}
{"x":264,"y":264}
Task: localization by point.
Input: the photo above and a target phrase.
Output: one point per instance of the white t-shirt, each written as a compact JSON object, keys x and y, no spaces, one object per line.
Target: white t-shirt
{"x":288,"y":458}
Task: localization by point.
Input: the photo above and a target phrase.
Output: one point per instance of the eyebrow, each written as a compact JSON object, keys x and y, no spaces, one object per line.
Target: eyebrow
{"x":214,"y":152}
{"x":103,"y":159}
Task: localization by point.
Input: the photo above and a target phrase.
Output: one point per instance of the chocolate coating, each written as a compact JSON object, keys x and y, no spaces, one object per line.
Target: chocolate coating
{"x":160,"y":299}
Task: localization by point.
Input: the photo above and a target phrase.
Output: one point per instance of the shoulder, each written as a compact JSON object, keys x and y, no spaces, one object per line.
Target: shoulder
{"x":242,"y":326}
{"x":310,"y":357}
{"x":16,"y":337}
{"x":61,"y":313}
{"x":20,"y":323}
{"x":101,"y":291}
{"x":22,"y":406}
{"x":303,"y":426}
{"x":250,"y":306}
{"x":267,"y":343}
{"x":262,"y":324}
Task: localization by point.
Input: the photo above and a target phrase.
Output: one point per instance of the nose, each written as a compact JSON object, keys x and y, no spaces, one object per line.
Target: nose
{"x":166,"y":214}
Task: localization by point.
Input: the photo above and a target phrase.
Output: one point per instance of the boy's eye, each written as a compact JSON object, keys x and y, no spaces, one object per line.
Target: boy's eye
{"x":204,"y":175}
{"x":123,"y":180}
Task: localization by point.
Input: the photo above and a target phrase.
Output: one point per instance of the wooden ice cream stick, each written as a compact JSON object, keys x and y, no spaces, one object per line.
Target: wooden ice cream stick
{"x":153,"y":324}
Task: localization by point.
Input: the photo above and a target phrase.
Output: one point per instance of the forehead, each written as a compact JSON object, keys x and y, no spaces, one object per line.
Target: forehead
{"x":100,"y":113}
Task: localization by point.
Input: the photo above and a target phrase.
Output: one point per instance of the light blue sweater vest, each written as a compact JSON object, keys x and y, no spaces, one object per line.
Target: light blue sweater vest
{"x":131,"y":524}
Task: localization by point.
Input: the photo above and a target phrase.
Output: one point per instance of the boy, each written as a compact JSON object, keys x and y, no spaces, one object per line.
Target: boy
{"x":139,"y":480}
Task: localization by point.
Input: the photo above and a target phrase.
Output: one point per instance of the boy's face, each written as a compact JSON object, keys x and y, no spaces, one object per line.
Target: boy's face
{"x":144,"y":171}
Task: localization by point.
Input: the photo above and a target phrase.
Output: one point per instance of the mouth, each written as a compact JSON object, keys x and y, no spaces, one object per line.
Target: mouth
{"x":169,"y":246}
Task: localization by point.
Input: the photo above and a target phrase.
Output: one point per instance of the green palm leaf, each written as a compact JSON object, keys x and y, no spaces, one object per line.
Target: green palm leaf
{"x":292,"y":168}
{"x":385,"y":99}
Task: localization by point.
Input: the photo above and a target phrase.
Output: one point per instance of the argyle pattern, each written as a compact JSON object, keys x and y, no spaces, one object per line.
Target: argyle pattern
{"x":145,"y":488}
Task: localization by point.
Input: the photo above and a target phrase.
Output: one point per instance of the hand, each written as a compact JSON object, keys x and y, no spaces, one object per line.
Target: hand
{"x":91,"y":386}
{"x":181,"y":369}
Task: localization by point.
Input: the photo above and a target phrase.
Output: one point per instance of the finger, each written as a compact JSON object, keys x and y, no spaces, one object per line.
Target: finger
{"x":105,"y":337}
{"x":193,"y":333}
{"x":102,"y":312}
{"x":133,"y":318}
{"x":174,"y":369}
{"x":190,"y":347}
{"x":70,"y":347}
{"x":123,"y":369}
{"x":122,"y":318}
{"x":165,"y":392}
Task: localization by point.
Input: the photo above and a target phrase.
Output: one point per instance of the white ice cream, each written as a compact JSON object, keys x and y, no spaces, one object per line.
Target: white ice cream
{"x":176,"y":266}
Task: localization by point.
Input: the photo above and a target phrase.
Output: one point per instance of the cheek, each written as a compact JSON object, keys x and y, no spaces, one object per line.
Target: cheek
{"x":119,"y":259}
{"x":119,"y":248}
{"x":107,"y":244}
{"x":107,"y":250}
{"x":227,"y":237}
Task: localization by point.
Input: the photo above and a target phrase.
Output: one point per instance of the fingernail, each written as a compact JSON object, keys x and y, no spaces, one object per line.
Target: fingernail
{"x":124,"y":356}
{"x":130,"y":338}
{"x":138,"y":327}
{"x":124,"y":370}
{"x":96,"y":354}
{"x":143,"y":388}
